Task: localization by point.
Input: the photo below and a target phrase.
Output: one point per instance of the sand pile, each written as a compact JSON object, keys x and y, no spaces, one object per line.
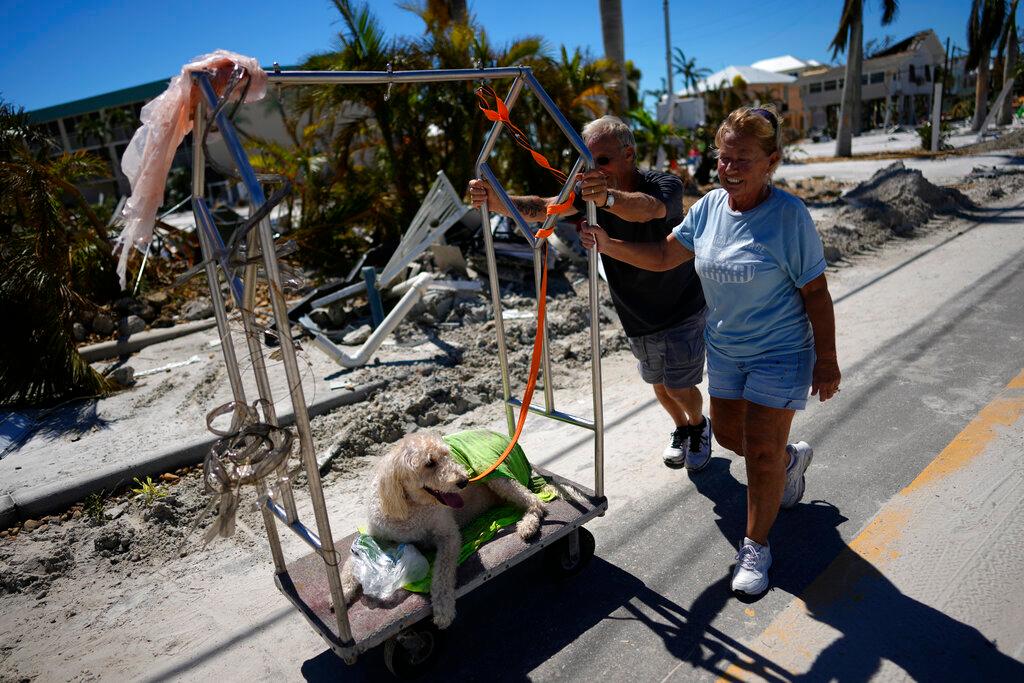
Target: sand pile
{"x":895,"y":201}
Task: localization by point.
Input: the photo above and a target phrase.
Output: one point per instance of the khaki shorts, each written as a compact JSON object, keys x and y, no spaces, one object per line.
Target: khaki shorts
{"x":673,"y":357}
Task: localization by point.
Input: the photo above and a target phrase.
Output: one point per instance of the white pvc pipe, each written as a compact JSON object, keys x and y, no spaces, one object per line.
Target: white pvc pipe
{"x":417,"y":286}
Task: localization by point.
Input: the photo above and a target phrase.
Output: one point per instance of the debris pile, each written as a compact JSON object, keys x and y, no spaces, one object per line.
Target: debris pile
{"x":991,"y":183}
{"x":894,"y":202}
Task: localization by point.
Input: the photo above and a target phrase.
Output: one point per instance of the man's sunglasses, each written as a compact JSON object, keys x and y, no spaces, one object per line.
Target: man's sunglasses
{"x":602,"y":160}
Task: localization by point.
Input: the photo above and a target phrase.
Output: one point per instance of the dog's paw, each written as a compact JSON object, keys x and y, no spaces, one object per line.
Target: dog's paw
{"x":443,"y":618}
{"x":529,"y":525}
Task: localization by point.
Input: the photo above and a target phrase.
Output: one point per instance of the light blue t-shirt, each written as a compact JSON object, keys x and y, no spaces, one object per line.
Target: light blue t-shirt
{"x":751,"y":265}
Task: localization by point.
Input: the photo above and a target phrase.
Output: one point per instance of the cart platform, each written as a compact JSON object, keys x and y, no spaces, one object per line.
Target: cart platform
{"x":305,"y":583}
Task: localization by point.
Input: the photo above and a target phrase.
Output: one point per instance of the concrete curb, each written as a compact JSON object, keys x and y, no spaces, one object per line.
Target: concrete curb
{"x":44,"y":499}
{"x":113,"y":349}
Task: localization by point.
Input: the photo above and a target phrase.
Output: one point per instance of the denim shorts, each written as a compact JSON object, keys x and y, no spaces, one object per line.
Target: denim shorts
{"x":672,"y":357}
{"x":774,"y":381}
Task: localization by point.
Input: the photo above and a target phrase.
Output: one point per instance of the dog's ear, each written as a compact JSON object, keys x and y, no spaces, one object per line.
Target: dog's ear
{"x":390,"y":490}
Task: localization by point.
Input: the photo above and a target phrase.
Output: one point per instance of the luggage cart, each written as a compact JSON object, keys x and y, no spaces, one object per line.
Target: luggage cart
{"x":313,"y":582}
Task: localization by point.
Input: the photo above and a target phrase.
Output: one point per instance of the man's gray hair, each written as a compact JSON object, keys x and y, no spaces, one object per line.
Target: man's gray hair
{"x":609,"y":125}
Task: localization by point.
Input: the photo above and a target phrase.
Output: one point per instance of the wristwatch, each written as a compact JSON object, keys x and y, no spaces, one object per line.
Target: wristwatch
{"x":609,"y":201}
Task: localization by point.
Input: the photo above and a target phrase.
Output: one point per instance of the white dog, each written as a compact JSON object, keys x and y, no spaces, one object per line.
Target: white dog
{"x":423,"y":496}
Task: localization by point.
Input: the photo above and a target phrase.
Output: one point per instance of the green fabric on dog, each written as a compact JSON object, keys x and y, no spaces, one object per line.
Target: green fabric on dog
{"x":476,"y":450}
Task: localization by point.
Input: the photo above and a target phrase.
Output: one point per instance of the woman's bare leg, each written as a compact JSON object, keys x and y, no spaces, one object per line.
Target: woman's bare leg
{"x":765,"y":434}
{"x":728,"y":417}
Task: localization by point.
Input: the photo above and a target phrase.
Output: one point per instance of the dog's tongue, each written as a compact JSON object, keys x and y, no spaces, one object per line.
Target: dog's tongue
{"x":451,"y":500}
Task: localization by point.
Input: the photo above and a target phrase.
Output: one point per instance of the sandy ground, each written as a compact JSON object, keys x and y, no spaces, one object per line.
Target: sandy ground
{"x":879,"y":142}
{"x":120,"y":589}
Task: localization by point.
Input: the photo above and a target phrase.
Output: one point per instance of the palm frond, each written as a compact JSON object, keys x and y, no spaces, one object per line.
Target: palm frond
{"x":983,"y":29}
{"x":853,"y":11}
{"x":889,"y":10}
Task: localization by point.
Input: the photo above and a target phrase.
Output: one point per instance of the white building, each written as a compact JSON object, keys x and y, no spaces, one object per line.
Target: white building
{"x":725,"y":78}
{"x":896,"y":85}
{"x":689,"y":106}
{"x":786,"y":64}
{"x":687,"y":112}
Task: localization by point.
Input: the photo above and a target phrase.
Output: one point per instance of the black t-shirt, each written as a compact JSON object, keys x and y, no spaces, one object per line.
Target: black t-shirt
{"x":649,"y":302}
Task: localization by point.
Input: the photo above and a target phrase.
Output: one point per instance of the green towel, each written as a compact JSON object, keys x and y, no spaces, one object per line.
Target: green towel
{"x":476,"y":450}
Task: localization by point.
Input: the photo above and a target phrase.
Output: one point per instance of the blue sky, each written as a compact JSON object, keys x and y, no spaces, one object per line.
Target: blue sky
{"x":56,"y":51}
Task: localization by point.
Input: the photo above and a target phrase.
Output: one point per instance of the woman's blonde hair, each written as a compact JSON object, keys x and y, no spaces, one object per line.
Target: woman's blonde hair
{"x":763,"y":124}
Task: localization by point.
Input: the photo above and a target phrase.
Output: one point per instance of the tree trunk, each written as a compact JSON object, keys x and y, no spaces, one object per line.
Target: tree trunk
{"x":1009,"y":65}
{"x":980,"y":95}
{"x":457,"y":11}
{"x":858,"y":104}
{"x":614,"y":48}
{"x":851,"y":88}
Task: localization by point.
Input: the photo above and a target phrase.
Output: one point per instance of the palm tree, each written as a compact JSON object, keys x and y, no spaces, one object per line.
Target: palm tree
{"x":1008,"y":46}
{"x":614,"y":49}
{"x":652,"y":136}
{"x":44,"y":220}
{"x":386,"y":143}
{"x":688,"y":69}
{"x":851,"y":32}
{"x":584,"y":96}
{"x":983,"y":29}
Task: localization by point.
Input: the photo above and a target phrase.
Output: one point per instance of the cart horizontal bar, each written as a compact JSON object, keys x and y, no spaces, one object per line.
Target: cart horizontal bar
{"x":555,"y":414}
{"x":365,"y":77}
{"x":300,"y":529}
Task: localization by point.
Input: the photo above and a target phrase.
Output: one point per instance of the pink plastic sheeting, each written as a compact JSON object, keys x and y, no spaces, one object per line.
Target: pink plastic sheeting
{"x":165,"y":123}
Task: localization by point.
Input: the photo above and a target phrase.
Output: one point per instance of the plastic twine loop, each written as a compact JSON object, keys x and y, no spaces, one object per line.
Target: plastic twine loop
{"x":247,"y":452}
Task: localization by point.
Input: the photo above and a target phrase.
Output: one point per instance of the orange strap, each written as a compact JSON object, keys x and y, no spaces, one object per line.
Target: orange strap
{"x":500,"y":113}
{"x":531,"y":384}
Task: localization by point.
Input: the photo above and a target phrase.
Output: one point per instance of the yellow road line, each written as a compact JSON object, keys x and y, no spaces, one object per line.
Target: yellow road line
{"x":876,"y":542}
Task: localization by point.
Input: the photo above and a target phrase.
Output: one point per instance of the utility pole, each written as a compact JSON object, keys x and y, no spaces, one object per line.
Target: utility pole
{"x":668,"y":67}
{"x":661,"y":157}
{"x":937,"y":101}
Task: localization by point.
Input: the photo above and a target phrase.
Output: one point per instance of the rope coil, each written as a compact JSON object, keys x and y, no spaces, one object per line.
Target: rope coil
{"x":250,"y":450}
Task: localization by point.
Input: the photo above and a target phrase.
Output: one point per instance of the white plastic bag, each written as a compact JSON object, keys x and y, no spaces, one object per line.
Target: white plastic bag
{"x":165,"y":122}
{"x":384,"y":569}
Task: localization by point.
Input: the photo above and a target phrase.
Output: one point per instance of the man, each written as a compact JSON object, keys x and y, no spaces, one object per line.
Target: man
{"x":663,"y":313}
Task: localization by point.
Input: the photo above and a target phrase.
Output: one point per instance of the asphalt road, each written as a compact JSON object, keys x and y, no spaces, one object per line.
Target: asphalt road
{"x":930,"y":332}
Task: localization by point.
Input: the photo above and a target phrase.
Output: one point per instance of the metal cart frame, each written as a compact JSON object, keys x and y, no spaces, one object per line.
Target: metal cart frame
{"x":333,"y":624}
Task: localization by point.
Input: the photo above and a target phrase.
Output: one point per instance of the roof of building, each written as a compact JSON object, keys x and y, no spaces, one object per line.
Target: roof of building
{"x":749,"y":74}
{"x":85,"y":105}
{"x":784,"y":64}
{"x":905,"y":45}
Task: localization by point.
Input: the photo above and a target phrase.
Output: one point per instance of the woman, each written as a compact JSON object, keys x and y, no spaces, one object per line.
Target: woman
{"x":770,"y":326}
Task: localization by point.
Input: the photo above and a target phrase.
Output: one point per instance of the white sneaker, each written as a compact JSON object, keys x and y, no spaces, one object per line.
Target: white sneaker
{"x":674,"y":455}
{"x":698,"y":455}
{"x":750,"y":576}
{"x":802,"y":454}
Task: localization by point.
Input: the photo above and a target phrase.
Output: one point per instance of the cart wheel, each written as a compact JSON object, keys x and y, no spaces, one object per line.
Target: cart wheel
{"x":559,"y":557}
{"x":410,"y":653}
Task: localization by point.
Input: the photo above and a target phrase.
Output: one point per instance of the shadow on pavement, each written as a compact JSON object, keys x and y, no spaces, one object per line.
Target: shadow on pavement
{"x":840,"y":588}
{"x":514,"y":624}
